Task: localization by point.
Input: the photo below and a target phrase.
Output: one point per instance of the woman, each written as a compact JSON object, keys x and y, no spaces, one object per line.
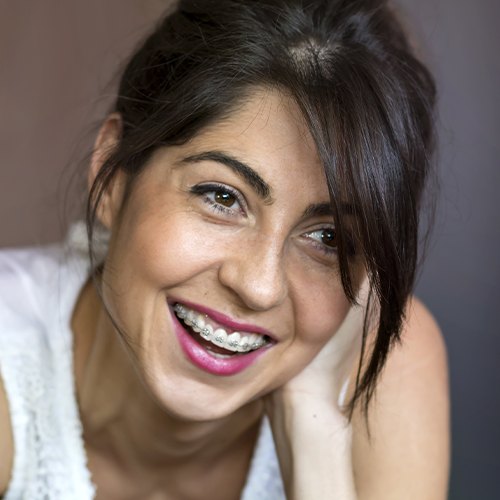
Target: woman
{"x":260,"y":179}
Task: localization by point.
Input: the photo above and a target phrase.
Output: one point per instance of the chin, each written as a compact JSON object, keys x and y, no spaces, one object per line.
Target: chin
{"x":194,"y":401}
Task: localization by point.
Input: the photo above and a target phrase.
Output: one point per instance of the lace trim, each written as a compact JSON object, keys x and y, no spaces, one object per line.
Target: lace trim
{"x":49,"y":460}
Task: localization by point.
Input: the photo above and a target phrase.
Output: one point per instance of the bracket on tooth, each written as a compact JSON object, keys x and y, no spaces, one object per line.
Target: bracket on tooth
{"x":181,"y":312}
{"x":240,"y":346}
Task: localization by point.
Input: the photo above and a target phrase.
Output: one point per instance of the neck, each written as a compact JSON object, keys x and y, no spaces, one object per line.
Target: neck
{"x":122,"y":420}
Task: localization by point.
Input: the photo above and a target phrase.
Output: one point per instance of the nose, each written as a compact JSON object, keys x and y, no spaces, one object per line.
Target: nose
{"x":255,"y":272}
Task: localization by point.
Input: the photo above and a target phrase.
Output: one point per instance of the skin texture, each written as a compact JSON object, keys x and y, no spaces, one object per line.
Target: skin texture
{"x":153,"y":421}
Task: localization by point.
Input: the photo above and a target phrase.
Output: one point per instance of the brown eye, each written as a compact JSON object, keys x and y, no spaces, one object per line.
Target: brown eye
{"x":325,"y":240}
{"x":220,"y":199}
{"x":224,"y":198}
{"x":329,"y":238}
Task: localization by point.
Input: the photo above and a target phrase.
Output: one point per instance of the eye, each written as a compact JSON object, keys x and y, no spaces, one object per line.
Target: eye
{"x":220,"y":198}
{"x":329,"y":237}
{"x":325,"y":239}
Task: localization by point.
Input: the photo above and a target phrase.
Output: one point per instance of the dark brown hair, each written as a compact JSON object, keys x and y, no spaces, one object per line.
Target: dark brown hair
{"x":367,"y":100}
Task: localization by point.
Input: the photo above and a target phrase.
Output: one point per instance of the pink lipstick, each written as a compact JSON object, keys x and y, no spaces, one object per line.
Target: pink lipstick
{"x":202,"y":358}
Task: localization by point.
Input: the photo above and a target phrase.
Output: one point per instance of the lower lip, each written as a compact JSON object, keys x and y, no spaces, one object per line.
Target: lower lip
{"x":202,"y":359}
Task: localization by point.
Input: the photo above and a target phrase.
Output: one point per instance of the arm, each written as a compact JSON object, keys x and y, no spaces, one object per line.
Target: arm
{"x":6,"y":442}
{"x":406,"y":455}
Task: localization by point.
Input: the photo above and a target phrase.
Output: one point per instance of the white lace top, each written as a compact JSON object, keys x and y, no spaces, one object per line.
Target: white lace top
{"x":38,"y":291}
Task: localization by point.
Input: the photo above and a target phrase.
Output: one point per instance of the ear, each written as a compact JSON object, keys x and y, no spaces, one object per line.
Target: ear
{"x":107,"y":140}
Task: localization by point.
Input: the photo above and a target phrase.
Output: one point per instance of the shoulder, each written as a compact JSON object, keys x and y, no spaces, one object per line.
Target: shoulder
{"x":422,"y":345}
{"x":38,"y":290}
{"x":24,"y":275}
{"x":30,"y":279}
{"x":29,"y":260}
{"x":420,"y":323}
{"x":415,"y":379}
{"x":406,"y":451}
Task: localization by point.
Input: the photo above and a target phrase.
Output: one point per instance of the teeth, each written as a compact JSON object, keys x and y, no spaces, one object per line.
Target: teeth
{"x":207,"y":332}
{"x":220,"y":337}
{"x":190,"y":318}
{"x":198,"y":323}
{"x":244,"y":345}
{"x":180,"y":311}
{"x":235,"y":342}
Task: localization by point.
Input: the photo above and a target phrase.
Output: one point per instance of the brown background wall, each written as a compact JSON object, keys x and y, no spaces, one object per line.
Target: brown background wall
{"x":57,"y":59}
{"x":56,"y":62}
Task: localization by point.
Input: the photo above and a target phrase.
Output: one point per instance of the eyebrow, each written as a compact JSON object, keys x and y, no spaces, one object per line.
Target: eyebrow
{"x":247,"y":173}
{"x":317,"y":210}
{"x":322,"y":209}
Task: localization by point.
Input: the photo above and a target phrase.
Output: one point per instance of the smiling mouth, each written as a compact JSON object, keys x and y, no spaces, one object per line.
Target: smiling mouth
{"x":219,"y":341}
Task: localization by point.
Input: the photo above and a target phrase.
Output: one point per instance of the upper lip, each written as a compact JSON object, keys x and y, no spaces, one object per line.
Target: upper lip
{"x":224,"y":320}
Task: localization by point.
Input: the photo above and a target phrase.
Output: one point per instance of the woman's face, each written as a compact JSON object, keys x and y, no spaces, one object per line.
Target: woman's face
{"x":233,"y":230}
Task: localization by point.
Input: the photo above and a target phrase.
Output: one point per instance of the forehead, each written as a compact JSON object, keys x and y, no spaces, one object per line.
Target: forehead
{"x":268,"y":132}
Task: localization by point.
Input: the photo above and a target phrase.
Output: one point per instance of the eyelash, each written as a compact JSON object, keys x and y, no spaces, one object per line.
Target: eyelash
{"x":202,"y":190}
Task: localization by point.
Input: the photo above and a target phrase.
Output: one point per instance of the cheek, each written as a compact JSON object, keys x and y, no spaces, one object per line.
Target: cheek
{"x":323,"y":318}
{"x":164,"y":251}
{"x":150,"y":256}
{"x":320,"y":311}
